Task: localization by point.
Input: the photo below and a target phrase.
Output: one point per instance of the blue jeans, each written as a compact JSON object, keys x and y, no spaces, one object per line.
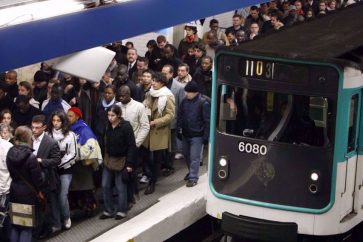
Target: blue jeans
{"x":193,"y":154}
{"x":18,"y":234}
{"x":107,"y":177}
{"x":65,"y":180}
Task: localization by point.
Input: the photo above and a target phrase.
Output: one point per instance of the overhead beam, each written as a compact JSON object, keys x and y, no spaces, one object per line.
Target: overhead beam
{"x":36,"y":41}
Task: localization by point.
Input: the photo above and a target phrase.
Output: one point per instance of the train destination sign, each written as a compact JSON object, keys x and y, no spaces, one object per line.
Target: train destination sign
{"x":272,"y":70}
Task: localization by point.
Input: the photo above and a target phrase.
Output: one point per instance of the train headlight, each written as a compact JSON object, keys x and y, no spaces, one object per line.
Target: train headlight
{"x":315,"y":182}
{"x":314,"y":176}
{"x":223,"y":168}
{"x":222,"y":162}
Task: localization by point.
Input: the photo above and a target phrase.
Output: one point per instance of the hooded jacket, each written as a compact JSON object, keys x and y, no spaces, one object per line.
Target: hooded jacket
{"x":22,"y":164}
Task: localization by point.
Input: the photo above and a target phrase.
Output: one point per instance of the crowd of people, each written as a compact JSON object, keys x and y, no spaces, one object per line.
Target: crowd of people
{"x":63,"y":137}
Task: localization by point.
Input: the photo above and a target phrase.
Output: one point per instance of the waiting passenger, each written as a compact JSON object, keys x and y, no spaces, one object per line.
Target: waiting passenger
{"x":6,"y":102}
{"x":183,"y":76}
{"x":122,"y":78}
{"x":160,"y":103}
{"x":135,"y":113}
{"x":254,"y":30}
{"x":90,"y":157}
{"x":48,"y":156}
{"x":119,"y":147}
{"x":191,"y":38}
{"x":11,"y":83}
{"x":5,"y":181}
{"x":55,"y":102}
{"x":237,"y":24}
{"x":23,"y":165}
{"x":6,"y":132}
{"x":24,"y":112}
{"x":58,"y":128}
{"x":253,"y":17}
{"x":100,"y":119}
{"x":153,"y":54}
{"x":178,"y":91}
{"x":214,"y":28}
{"x":131,"y":61}
{"x":40,"y":86}
{"x":193,"y":129}
{"x":203,"y":76}
{"x":169,"y":58}
{"x":26,"y":89}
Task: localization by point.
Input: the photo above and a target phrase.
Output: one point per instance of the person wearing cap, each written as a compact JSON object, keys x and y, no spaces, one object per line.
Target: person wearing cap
{"x":89,"y":158}
{"x":291,"y":18}
{"x":193,"y":129}
{"x":191,"y":38}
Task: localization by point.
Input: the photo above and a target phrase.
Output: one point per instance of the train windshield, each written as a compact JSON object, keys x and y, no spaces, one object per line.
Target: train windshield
{"x":276,"y":117}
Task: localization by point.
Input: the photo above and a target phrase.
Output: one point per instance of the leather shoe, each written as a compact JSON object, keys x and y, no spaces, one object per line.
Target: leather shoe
{"x":186,"y":178}
{"x":46,"y":233}
{"x":105,"y":216}
{"x":150,"y":189}
{"x":168,"y":171}
{"x":191,"y":183}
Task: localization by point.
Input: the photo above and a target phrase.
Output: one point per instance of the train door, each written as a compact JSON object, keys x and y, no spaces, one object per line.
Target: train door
{"x":351,"y":157}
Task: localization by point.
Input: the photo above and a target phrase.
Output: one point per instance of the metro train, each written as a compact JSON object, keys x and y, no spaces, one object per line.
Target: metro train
{"x":286,"y":148}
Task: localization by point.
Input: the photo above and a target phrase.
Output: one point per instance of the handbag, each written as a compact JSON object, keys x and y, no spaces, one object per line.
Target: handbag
{"x":26,"y":214}
{"x":23,"y":214}
{"x":114,"y":163}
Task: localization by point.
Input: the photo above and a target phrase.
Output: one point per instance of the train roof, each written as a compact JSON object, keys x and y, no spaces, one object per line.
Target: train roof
{"x":336,"y":37}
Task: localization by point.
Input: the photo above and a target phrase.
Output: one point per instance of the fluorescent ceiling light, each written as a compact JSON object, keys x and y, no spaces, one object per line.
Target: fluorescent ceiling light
{"x":40,"y":10}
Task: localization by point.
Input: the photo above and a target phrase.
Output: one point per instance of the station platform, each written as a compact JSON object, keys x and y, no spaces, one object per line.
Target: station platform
{"x":149,"y":212}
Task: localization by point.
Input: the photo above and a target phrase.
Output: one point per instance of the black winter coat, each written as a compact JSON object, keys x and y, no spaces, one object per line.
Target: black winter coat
{"x":120,"y":141}
{"x":204,"y":80}
{"x":21,"y":161}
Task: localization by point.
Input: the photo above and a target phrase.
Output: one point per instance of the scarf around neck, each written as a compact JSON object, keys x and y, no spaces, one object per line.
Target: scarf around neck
{"x":190,"y":39}
{"x":162,"y":95}
{"x":57,"y":134}
{"x":107,"y":105}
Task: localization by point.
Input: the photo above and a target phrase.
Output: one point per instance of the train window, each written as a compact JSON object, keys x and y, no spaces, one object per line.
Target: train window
{"x":352,"y":123}
{"x":276,"y":117}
